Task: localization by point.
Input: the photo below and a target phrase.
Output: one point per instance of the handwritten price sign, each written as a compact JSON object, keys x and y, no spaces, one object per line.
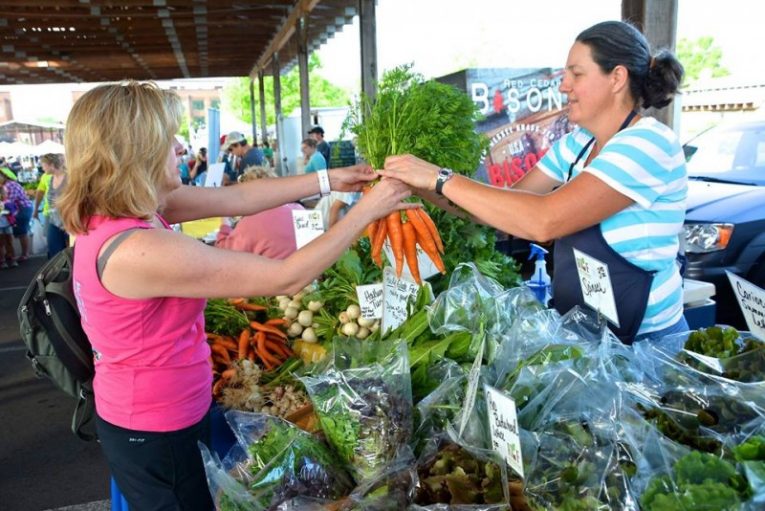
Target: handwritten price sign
{"x":396,"y":295}
{"x":370,"y":300}
{"x":595,"y":281}
{"x":503,"y":426}
{"x":308,"y":225}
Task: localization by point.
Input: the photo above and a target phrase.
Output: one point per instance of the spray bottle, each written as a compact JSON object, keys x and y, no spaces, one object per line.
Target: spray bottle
{"x":540,"y":280}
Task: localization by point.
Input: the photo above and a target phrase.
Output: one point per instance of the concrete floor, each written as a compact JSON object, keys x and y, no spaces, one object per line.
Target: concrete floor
{"x":43,"y":465}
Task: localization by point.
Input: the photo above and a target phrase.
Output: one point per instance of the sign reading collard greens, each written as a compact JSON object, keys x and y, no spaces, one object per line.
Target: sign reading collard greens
{"x":523,"y":112}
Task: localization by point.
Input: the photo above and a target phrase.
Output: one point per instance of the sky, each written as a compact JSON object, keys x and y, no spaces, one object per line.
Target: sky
{"x":443,"y":36}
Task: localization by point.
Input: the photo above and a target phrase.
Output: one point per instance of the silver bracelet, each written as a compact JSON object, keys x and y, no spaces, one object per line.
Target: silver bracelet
{"x":324,"y":187}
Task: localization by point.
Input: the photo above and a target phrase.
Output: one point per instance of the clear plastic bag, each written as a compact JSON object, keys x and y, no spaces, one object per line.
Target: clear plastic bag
{"x":39,"y":239}
{"x":578,"y":464}
{"x":456,"y":477}
{"x":273,"y":461}
{"x":364,"y":402}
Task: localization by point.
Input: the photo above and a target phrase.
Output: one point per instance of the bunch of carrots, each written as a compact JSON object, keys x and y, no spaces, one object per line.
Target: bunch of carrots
{"x":265,"y":343}
{"x":406,"y":230}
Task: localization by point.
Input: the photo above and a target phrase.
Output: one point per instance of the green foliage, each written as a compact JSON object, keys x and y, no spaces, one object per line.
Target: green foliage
{"x":435,"y":122}
{"x":322,"y":93}
{"x":698,"y":56}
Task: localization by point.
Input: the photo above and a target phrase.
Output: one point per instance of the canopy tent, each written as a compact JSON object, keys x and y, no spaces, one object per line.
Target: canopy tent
{"x":49,"y":146}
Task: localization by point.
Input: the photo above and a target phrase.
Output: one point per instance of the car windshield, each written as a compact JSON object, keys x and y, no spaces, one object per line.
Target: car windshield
{"x":735,"y":154}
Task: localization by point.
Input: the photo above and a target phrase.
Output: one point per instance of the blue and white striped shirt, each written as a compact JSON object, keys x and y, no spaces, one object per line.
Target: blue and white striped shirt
{"x":644,"y":162}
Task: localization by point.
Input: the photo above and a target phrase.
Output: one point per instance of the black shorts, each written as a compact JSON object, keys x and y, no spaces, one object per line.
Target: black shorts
{"x":158,"y":471}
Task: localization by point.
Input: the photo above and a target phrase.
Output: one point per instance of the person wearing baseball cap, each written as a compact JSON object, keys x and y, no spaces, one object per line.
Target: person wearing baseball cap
{"x":317,"y":133}
{"x":247,"y":154}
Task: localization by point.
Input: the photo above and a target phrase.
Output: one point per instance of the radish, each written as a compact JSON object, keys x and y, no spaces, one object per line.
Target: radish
{"x":305,"y":318}
{"x":350,"y":329}
{"x":353,"y":311}
{"x":309,"y":335}
{"x":295,"y":329}
{"x":364,"y":322}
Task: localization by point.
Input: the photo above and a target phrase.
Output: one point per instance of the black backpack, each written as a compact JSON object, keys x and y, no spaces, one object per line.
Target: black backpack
{"x":56,"y":344}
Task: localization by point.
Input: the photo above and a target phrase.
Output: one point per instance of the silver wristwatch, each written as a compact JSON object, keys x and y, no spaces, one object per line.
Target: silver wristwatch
{"x":444,"y":175}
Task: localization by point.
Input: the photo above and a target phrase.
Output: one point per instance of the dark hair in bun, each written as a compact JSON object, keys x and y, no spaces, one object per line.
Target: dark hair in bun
{"x":653,"y":80}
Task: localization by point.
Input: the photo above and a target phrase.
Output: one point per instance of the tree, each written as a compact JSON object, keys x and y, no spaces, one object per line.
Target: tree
{"x":323,"y":93}
{"x":699,"y":57}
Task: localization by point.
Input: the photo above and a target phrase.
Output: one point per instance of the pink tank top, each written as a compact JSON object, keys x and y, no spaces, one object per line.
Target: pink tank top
{"x":151,"y":356}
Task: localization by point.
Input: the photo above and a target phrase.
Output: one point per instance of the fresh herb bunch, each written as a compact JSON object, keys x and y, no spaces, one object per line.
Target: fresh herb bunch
{"x":699,"y":481}
{"x":454,"y":476}
{"x":752,"y":449}
{"x":287,"y":462}
{"x":436,"y":122}
{"x":713,"y":342}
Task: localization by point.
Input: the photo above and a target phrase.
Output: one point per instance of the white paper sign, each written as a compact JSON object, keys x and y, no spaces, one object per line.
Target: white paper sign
{"x":214,"y":176}
{"x":751,"y":299}
{"x":472,"y":387}
{"x":308,"y":225}
{"x":370,"y":300}
{"x":503,"y":426}
{"x":396,"y":294}
{"x":426,"y":266}
{"x":596,"y":285}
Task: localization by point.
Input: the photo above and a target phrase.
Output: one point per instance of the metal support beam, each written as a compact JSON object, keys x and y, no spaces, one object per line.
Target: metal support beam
{"x":253,"y":121}
{"x":305,"y":103}
{"x":262,"y":94}
{"x":281,"y":164}
{"x":657,"y":19}
{"x":368,"y":32}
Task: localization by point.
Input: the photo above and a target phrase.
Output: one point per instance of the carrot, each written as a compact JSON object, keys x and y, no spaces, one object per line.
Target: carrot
{"x":263,"y":353}
{"x":251,"y":307}
{"x":279,"y":348}
{"x":222,"y":352}
{"x":212,"y":337}
{"x":251,"y":356}
{"x":432,"y":228}
{"x":429,"y":247}
{"x":228,"y":373}
{"x":226,"y":343}
{"x":216,"y":390}
{"x":244,"y":342}
{"x":377,"y":243}
{"x":267,"y":329}
{"x":276,"y":322}
{"x":410,"y":250}
{"x":236,"y":301}
{"x":393,"y":222}
{"x":371,"y":230}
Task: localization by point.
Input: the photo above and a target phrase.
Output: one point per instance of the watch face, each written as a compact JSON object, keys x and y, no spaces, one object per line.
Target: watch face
{"x":445,"y":173}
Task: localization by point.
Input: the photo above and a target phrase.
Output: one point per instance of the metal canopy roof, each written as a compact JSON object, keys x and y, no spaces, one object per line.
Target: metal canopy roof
{"x":56,"y":41}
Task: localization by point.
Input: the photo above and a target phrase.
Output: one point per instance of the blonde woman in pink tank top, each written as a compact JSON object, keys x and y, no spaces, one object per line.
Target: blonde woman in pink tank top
{"x":141,"y":287}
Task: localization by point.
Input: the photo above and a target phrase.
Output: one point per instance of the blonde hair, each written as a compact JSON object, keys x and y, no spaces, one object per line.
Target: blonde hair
{"x":254,"y":172}
{"x":53,"y":159}
{"x":117,"y":141}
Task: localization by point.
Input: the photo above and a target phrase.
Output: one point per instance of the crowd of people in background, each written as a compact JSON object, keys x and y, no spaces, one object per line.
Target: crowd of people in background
{"x":267,"y":233}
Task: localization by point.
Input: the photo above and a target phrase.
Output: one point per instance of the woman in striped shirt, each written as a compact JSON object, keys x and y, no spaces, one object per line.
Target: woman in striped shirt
{"x":614,"y":189}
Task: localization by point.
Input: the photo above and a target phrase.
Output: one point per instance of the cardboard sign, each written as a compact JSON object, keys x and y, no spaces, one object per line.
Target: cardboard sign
{"x":503,"y":426}
{"x":308,"y":225}
{"x":595,"y":281}
{"x":396,"y":294}
{"x":370,"y":300}
{"x":426,"y":266}
{"x":472,"y":387}
{"x":751,"y":299}
{"x":214,"y":176}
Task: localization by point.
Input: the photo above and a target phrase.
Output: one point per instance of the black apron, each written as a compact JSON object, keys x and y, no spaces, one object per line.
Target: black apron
{"x":631,"y":284}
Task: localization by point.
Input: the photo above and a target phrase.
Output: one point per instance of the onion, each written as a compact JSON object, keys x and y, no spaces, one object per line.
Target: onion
{"x":291,"y":312}
{"x":350,"y":329}
{"x":353,"y":311}
{"x":305,"y":318}
{"x":309,"y":335}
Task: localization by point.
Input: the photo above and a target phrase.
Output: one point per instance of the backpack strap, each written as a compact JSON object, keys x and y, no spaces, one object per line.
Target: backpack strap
{"x":84,"y":413}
